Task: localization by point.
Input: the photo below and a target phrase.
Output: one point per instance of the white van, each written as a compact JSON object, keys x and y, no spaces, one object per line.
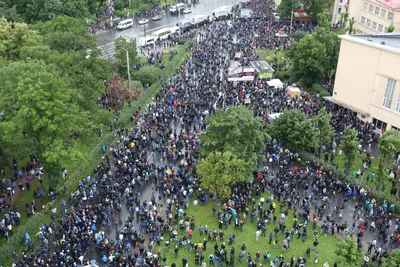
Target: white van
{"x":198,"y":19}
{"x":125,"y":24}
{"x":174,"y":9}
{"x":145,"y":41}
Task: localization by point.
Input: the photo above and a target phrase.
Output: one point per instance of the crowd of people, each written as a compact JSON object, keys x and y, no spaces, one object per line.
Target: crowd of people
{"x":161,"y":148}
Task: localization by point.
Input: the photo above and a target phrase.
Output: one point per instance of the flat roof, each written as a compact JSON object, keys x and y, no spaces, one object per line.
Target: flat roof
{"x":385,"y":41}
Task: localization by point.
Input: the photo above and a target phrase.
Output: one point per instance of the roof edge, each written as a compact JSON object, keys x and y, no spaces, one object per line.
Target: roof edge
{"x":354,"y":39}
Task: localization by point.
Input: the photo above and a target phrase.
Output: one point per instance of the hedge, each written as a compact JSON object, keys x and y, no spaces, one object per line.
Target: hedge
{"x":319,"y":89}
{"x":34,"y":223}
{"x":379,"y":195}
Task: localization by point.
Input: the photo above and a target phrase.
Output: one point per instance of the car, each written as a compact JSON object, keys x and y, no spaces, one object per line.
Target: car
{"x":156,"y":17}
{"x":143,"y":21}
{"x":187,"y":10}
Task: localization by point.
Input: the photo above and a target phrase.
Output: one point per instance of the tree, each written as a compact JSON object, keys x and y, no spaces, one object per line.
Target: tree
{"x":316,"y":7}
{"x":9,"y":12}
{"x":286,"y":6}
{"x":148,"y":75}
{"x":64,"y":34}
{"x":348,"y":254}
{"x":42,"y":104}
{"x":14,"y":36}
{"x":293,"y":130}
{"x":393,"y":259}
{"x":309,"y":60}
{"x":389,"y":143}
{"x":236,"y":131}
{"x":297,"y":35}
{"x":324,"y":20}
{"x":390,"y":28}
{"x":324,"y":129}
{"x":350,"y":147}
{"x":331,"y":42}
{"x":221,"y":171}
{"x":121,"y":46}
{"x":351,"y":29}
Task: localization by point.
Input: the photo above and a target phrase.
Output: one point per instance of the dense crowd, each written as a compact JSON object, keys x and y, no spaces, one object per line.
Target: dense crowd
{"x":161,"y":148}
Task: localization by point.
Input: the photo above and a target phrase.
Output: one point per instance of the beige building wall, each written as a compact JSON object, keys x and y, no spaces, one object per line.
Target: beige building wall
{"x":362,"y":79}
{"x":373,"y":17}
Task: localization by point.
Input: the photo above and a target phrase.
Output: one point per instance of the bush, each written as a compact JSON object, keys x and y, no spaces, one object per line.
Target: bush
{"x":297,"y":35}
{"x":137,"y":84}
{"x":319,"y":89}
{"x":148,"y":75}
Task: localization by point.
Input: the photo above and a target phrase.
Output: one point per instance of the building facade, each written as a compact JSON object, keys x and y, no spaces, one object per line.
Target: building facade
{"x":368,"y":78}
{"x":371,"y":16}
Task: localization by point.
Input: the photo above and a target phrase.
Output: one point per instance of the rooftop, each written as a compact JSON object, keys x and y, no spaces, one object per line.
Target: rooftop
{"x":386,"y":41}
{"x":393,"y":4}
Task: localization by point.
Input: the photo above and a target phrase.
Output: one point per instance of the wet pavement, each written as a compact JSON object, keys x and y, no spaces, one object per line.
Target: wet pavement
{"x":205,"y":7}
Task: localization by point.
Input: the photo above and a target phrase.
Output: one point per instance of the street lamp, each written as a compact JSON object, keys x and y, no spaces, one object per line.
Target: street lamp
{"x":127,"y":67}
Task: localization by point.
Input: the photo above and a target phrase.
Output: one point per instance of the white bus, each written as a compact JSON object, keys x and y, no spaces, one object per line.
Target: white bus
{"x":164,"y":33}
{"x":174,"y":9}
{"x":145,"y":41}
{"x":198,"y":19}
{"x":222,"y":11}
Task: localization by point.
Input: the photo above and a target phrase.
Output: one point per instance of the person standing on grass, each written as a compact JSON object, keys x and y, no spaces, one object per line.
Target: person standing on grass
{"x":258,"y":234}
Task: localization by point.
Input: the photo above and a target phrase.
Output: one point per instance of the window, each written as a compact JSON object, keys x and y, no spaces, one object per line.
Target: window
{"x":368,"y":23}
{"x":374,"y":25}
{"x":395,"y":128}
{"x":363,"y":20}
{"x":387,"y":99}
{"x":339,"y":11}
{"x":377,"y":11}
{"x":398,"y":104}
{"x":383,"y":13}
{"x":379,"y":124}
{"x":365,"y":6}
{"x":371,"y":8}
{"x":380,"y":28}
{"x":390,"y":15}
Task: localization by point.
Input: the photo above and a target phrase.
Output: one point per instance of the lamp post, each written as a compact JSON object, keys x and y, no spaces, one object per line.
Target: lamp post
{"x":128,"y":68}
{"x":291,"y":20}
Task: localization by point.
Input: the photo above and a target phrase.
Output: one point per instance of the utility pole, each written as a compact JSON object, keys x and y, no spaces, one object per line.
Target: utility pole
{"x":144,"y":29}
{"x":179,"y":22}
{"x":291,"y":20}
{"x":127,"y":66}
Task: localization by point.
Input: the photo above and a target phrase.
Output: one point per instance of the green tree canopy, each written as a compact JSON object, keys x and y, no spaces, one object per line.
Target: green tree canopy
{"x":393,"y":260}
{"x":294,"y":130}
{"x":121,"y":47}
{"x":65,"y":33}
{"x":389,"y":143}
{"x":148,"y":75}
{"x":235,"y":131}
{"x":221,"y":171}
{"x":286,"y":6}
{"x":350,"y":147}
{"x":297,"y":35}
{"x":348,"y":254}
{"x":316,"y":7}
{"x":324,"y":129}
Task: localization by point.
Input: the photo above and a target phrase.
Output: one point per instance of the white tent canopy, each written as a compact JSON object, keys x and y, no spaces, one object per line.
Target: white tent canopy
{"x":275,"y":83}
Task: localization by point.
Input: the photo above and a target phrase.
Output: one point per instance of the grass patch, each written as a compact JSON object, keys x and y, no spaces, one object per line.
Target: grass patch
{"x":203,"y":216}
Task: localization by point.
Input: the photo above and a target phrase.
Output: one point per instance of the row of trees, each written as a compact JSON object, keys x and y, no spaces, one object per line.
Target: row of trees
{"x":234,"y":139}
{"x":49,"y":87}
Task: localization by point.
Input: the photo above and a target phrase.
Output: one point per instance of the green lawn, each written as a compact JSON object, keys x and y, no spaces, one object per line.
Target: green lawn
{"x":203,"y":216}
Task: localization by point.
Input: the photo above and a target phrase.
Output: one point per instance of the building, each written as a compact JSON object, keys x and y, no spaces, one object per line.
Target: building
{"x":368,"y":78}
{"x":371,"y":16}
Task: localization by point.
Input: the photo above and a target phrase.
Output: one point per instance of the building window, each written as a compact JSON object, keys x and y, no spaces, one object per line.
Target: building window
{"x":387,"y":99}
{"x":380,"y":28}
{"x":374,"y":25}
{"x":339,"y":11}
{"x":390,"y":15}
{"x":365,"y":6}
{"x":398,"y":104}
{"x":379,"y":124}
{"x":363,"y":20}
{"x":371,"y":8}
{"x":377,"y":11}
{"x":383,"y":13}
{"x":368,"y":23}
